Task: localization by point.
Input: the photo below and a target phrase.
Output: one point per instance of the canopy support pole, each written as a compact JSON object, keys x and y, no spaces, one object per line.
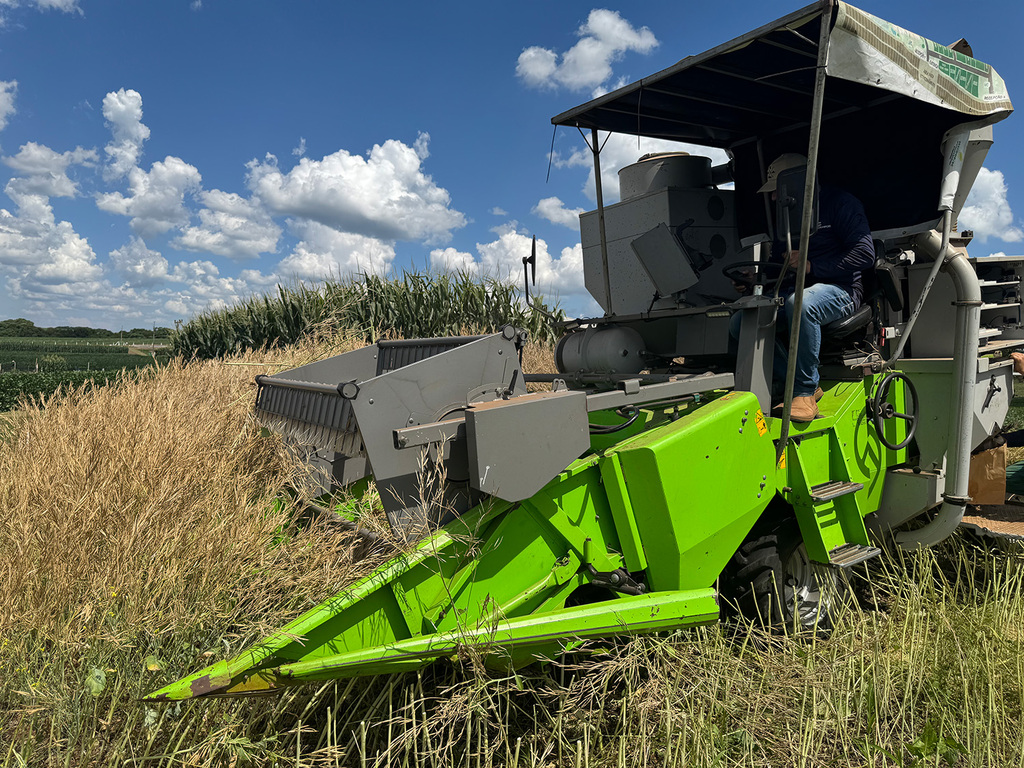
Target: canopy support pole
{"x":805,"y":225}
{"x":596,"y":149}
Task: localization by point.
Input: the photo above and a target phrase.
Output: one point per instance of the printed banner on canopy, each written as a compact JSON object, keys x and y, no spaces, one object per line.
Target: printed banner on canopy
{"x":869,"y":50}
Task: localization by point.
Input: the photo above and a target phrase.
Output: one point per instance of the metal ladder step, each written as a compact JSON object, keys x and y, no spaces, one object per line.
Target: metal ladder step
{"x":833,"y":490}
{"x":849,"y":555}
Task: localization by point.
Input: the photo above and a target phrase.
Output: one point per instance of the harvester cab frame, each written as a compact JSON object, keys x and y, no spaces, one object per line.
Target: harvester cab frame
{"x":653,"y":476}
{"x":898,"y":121}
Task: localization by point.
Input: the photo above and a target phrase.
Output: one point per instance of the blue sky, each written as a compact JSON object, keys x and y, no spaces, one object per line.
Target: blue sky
{"x":161,"y":157}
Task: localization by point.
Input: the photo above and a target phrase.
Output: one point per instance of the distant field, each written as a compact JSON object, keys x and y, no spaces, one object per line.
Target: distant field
{"x":39,"y":342}
{"x":39,"y":366}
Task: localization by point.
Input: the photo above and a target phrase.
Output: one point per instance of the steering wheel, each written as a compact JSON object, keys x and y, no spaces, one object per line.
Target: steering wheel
{"x":751,"y":273}
{"x":881,"y":410}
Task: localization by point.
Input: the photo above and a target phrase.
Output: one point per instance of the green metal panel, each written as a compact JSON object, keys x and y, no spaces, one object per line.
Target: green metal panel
{"x":515,"y":638}
{"x":674,"y":501}
{"x":486,"y":573}
{"x":839,"y":446}
{"x":622,"y":513}
{"x":697,"y":485}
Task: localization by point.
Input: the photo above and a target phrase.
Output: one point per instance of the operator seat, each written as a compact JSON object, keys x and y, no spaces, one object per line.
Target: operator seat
{"x":880,"y":283}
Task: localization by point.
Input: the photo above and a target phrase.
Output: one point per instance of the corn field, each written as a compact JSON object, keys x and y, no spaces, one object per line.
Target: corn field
{"x":411,"y":306}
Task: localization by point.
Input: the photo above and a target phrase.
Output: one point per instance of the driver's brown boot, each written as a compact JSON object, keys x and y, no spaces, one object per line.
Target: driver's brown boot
{"x":804,"y":409}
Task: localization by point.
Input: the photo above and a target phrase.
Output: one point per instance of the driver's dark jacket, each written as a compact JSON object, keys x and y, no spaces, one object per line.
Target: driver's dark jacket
{"x":842,"y":247}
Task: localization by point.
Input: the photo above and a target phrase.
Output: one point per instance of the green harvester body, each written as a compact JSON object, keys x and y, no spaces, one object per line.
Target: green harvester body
{"x":614,"y":503}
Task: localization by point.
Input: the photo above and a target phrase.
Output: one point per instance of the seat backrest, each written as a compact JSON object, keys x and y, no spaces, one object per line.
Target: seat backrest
{"x":888,"y":285}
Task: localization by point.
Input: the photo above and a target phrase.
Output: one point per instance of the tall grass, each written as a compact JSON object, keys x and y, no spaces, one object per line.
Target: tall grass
{"x":139,"y":542}
{"x":411,"y":306}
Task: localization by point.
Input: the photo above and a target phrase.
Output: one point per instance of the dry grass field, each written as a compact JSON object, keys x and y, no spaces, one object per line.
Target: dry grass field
{"x":140,"y":540}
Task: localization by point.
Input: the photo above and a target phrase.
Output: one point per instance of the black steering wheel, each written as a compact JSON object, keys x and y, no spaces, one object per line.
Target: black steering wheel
{"x":881,"y":409}
{"x":749,"y":273}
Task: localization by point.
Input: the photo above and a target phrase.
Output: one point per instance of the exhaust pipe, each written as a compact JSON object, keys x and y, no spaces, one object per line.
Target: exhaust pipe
{"x":965,"y":371}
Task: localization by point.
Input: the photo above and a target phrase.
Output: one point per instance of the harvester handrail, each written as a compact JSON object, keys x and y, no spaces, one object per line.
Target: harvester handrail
{"x":306,"y":386}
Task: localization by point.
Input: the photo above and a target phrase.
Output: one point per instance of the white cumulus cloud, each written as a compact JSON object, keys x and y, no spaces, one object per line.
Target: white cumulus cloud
{"x":45,"y":171}
{"x":138,"y":264}
{"x":558,"y":277}
{"x":8,"y":88}
{"x":604,"y":38}
{"x":67,"y":6}
{"x":35,"y":248}
{"x":156,"y":203}
{"x":232,"y":226}
{"x":123,"y":112}
{"x":553,"y":209}
{"x":385,"y":196}
{"x":987,"y":210}
{"x":324,"y":253}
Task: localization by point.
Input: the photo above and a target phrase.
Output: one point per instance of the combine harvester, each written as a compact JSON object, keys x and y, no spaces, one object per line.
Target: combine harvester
{"x":654,"y":473}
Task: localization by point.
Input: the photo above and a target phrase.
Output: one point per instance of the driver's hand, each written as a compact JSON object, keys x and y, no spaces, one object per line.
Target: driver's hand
{"x":744,"y":288}
{"x":793,"y":258}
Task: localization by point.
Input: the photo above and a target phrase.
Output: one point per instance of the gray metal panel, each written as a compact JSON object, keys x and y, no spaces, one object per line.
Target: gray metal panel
{"x":933,"y":381}
{"x":399,"y":353}
{"x":664,"y":261}
{"x":905,"y":495}
{"x":317,"y":419}
{"x":710,"y":218}
{"x":517,"y":446}
{"x":357,"y":365}
{"x":423,"y":392}
{"x":329,"y":471}
{"x":756,"y":350}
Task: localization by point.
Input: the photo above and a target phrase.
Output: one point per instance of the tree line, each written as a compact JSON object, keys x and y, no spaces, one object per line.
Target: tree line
{"x":20,"y":327}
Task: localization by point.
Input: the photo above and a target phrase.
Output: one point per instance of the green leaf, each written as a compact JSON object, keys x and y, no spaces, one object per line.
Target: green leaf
{"x":96,"y":681}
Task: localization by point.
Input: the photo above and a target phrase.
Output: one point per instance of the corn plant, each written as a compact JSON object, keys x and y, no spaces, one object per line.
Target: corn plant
{"x":410,"y":306}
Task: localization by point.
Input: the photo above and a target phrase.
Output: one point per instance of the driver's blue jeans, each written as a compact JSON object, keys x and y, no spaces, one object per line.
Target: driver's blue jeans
{"x":823,"y":303}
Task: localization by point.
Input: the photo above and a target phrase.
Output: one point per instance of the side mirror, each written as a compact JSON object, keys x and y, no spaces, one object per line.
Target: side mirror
{"x":789,"y":204}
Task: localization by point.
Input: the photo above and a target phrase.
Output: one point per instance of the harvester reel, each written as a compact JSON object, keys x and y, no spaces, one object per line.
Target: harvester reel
{"x":880,"y":409}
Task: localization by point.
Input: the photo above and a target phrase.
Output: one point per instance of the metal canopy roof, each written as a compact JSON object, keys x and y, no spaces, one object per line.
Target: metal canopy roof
{"x":720,"y":97}
{"x":890,"y":96}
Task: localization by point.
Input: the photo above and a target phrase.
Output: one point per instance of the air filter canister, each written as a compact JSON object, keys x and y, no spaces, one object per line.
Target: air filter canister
{"x":601,"y":350}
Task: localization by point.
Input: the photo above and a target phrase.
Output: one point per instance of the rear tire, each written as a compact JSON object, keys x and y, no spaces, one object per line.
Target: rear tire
{"x":772,"y":581}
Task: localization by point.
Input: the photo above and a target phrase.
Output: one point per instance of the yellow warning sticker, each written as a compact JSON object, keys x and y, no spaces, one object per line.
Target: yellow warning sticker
{"x":782,"y":460}
{"x":762,"y":426}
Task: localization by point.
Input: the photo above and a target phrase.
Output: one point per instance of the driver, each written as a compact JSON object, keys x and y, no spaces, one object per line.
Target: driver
{"x":838,"y":252}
